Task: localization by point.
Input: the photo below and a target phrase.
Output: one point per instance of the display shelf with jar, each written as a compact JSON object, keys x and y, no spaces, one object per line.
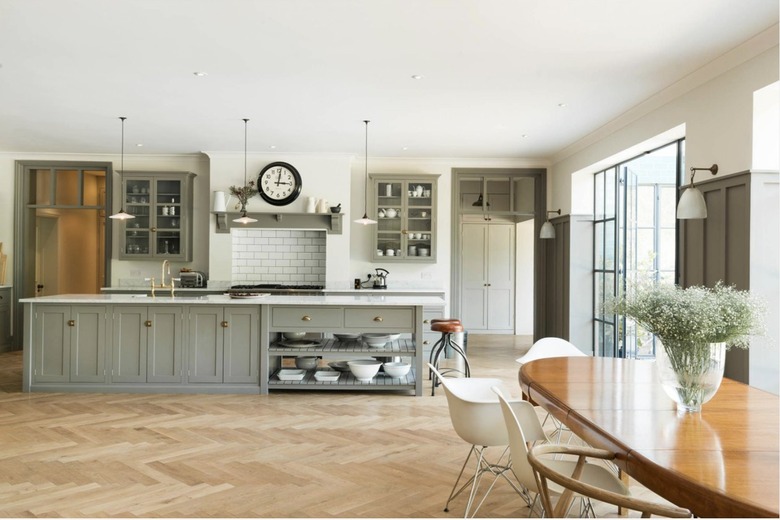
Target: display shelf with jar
{"x":405,"y":209}
{"x":161,"y":203}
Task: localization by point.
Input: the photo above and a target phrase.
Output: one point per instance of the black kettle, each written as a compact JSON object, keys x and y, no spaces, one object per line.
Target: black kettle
{"x":380,"y":278}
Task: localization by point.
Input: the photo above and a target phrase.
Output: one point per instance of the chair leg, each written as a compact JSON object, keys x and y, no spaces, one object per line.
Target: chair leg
{"x":453,"y":494}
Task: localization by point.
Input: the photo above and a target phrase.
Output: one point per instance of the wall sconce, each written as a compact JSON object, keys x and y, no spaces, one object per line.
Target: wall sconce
{"x":548,"y":231}
{"x":691,"y":203}
{"x":220,"y":202}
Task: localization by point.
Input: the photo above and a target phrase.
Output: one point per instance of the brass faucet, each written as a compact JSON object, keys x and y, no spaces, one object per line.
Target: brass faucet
{"x":166,"y":269}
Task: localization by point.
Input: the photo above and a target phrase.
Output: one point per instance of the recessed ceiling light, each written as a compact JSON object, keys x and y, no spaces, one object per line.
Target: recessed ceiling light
{"x":405,"y":148}
{"x":139,"y":145}
{"x":272,"y":147}
{"x":417,"y":76}
{"x":524,"y":136}
{"x":200,"y":74}
{"x":561,"y":105}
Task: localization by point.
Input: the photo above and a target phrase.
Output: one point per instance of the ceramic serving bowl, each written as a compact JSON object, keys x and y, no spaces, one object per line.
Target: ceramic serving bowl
{"x":306,"y":362}
{"x":294,"y":335}
{"x":346,"y":337}
{"x":397,"y":369}
{"x":364,"y":370}
{"x":376,"y":340}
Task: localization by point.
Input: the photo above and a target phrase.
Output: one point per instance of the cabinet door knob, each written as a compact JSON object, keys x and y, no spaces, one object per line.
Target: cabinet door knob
{"x":71,"y":323}
{"x":426,"y":342}
{"x":306,"y":318}
{"x":378,"y":318}
{"x":224,"y":324}
{"x":153,"y":230}
{"x":148,"y":323}
{"x":426,"y":321}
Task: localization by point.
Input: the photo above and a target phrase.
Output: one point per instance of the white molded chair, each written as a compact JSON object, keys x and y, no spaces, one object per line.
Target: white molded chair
{"x":477,"y":419}
{"x":524,"y":429}
{"x":548,"y":348}
{"x":549,"y":478}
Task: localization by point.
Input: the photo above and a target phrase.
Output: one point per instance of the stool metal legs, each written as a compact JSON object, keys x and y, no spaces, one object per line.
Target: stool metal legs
{"x":441,"y":346}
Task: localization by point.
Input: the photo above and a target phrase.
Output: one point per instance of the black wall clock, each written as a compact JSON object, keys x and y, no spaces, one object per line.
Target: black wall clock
{"x":279,"y":183}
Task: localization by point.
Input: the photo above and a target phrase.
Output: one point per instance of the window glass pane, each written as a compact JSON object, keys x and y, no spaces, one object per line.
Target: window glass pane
{"x":609,"y":340}
{"x":68,"y":189}
{"x":523,"y":194}
{"x":609,"y":244}
{"x":609,"y":193}
{"x":668,"y":206}
{"x":666,"y":250}
{"x":598,"y":245}
{"x":645,"y":249}
{"x":470,"y":191}
{"x":645,"y":206}
{"x":598,"y":292}
{"x":94,"y":189}
{"x":598,"y":338}
{"x":599,"y":196}
{"x":498,"y":194}
{"x":609,"y":294}
{"x":43,"y":182}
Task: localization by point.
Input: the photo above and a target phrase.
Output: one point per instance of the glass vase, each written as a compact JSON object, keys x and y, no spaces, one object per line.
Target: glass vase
{"x":691,"y":373}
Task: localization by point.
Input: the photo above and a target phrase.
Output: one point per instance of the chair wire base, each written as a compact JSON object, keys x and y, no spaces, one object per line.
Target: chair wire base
{"x":482,"y":467}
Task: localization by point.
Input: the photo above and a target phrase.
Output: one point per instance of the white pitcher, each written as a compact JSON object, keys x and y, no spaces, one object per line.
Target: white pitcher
{"x":322,"y":206}
{"x":311,"y":204}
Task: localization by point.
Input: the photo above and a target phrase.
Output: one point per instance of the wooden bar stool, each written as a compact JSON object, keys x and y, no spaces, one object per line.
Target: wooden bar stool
{"x":446,"y":344}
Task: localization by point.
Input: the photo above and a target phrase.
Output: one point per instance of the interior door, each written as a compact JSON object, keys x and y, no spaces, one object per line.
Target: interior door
{"x":500,"y":277}
{"x":473,"y":261}
{"x":47,"y":256}
{"x":487,"y":280}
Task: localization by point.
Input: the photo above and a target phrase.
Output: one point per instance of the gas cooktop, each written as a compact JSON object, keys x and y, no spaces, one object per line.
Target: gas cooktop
{"x":278,"y":288}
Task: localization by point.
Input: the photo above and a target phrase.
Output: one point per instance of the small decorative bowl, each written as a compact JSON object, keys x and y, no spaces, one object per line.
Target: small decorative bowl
{"x":294,"y":335}
{"x":364,"y":370}
{"x":397,"y":369}
{"x":306,"y":362}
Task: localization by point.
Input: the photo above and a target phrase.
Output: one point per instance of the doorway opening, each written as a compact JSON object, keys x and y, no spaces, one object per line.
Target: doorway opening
{"x":62,"y":232}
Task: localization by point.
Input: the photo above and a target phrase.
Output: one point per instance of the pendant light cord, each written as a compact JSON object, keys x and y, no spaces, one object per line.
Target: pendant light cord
{"x":245,"y":141}
{"x":122,"y":156}
{"x":365,"y":189}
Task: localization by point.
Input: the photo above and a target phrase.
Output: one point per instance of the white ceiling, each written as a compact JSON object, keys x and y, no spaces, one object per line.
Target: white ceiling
{"x":307,"y":72}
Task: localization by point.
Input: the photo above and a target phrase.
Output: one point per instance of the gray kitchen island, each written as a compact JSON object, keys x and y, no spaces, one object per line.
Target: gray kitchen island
{"x":211,"y":343}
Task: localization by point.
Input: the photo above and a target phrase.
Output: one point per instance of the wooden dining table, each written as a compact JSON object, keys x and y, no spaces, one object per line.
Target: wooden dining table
{"x":721,"y":462}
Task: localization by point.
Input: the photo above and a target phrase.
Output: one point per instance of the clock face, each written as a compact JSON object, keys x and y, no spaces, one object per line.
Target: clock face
{"x":279,"y":183}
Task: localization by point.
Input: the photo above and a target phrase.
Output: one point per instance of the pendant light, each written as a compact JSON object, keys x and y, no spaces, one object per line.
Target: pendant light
{"x":548,"y":231}
{"x":691,"y":203}
{"x":243,"y":219}
{"x":365,"y":220}
{"x":122,"y":215}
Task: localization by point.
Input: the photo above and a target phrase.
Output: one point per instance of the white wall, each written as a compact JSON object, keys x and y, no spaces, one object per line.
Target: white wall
{"x":714,"y":109}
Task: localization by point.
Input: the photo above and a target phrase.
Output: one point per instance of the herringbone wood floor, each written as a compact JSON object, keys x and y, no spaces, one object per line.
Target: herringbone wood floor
{"x":288,"y":454}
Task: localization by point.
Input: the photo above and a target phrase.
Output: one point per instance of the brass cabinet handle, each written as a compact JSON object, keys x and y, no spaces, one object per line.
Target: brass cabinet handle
{"x":426,"y":342}
{"x":306,"y":318}
{"x":71,"y":323}
{"x":224,"y":324}
{"x":426,"y":321}
{"x":153,"y":230}
{"x":148,"y":323}
{"x":378,"y":318}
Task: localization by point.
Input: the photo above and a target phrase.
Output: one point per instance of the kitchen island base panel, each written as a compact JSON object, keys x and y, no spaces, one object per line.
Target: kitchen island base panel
{"x":147,"y":388}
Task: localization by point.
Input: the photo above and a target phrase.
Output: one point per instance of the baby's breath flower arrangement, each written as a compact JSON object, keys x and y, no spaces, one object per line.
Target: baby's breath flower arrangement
{"x":243,"y":194}
{"x":688,"y":322}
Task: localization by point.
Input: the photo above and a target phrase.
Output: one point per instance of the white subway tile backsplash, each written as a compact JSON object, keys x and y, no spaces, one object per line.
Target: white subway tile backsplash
{"x":279,"y":256}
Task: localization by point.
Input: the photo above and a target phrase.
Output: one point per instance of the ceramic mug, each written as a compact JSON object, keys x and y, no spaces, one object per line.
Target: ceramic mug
{"x":423,"y":214}
{"x":390,"y":252}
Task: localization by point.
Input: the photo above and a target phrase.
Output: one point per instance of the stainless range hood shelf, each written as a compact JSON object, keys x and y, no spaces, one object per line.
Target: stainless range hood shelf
{"x":330,"y":222}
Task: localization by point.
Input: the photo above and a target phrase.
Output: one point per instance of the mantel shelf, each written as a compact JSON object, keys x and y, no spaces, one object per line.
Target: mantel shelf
{"x":330,"y":222}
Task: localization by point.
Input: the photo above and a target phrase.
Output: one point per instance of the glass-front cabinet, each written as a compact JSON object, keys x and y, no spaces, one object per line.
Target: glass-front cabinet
{"x":404,"y":207}
{"x":162,"y":205}
{"x":498,"y":196}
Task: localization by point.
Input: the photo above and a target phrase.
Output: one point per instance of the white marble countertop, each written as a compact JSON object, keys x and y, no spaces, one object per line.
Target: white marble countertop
{"x":384,"y":291}
{"x":373,"y":299}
